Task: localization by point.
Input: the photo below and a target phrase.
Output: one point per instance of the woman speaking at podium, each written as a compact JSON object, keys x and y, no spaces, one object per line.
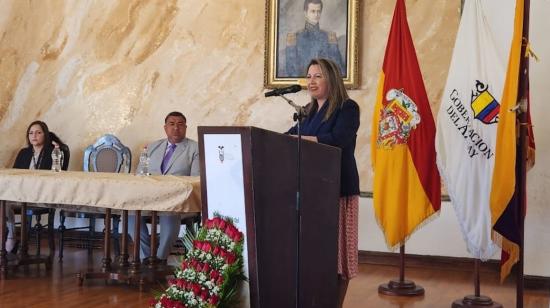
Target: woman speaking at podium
{"x":333,"y":119}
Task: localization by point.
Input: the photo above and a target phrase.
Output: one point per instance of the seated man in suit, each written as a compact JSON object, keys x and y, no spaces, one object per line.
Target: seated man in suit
{"x":174,"y":155}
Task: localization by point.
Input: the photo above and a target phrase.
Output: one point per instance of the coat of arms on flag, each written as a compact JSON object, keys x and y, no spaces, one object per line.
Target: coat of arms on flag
{"x":397,"y":119}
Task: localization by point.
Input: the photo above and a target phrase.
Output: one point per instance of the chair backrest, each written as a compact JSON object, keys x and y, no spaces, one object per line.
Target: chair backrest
{"x":66,"y":156}
{"x":107,"y":154}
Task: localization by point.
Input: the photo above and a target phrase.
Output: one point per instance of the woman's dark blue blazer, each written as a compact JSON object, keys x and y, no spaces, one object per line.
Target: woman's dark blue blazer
{"x":340,"y":130}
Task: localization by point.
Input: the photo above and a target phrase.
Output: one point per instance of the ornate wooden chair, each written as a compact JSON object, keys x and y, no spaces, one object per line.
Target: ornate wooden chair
{"x":107,"y":154}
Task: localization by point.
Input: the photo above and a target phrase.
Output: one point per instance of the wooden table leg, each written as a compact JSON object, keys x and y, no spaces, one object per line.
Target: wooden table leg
{"x":124,"y":257}
{"x":3,"y":253}
{"x":23,"y":257}
{"x":107,"y":242}
{"x":23,"y":253}
{"x":109,"y":271}
{"x":153,"y":260}
{"x":135,"y":264}
{"x":135,"y":273}
{"x":51,"y":234}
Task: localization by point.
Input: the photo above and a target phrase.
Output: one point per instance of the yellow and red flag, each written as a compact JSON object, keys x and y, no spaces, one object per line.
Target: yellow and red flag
{"x":407,"y":187}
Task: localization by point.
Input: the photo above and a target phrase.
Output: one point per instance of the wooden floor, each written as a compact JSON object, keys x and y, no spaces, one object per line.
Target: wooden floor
{"x":59,"y":289}
{"x":442,"y":287}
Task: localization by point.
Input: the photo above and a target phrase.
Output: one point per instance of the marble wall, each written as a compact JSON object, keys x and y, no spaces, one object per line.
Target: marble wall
{"x":93,"y":67}
{"x":90,"y":67}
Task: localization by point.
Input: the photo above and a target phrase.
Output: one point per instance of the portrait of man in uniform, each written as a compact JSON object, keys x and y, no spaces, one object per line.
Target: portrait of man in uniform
{"x":312,"y":31}
{"x":311,"y":42}
{"x":300,"y":30}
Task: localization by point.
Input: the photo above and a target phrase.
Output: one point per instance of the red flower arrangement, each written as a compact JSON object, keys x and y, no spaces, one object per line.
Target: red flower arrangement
{"x":210,"y":272}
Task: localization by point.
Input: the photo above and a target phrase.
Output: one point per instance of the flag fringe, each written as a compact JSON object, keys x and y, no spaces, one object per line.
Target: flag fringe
{"x":396,"y":246}
{"x":513,"y":252}
{"x":475,"y":251}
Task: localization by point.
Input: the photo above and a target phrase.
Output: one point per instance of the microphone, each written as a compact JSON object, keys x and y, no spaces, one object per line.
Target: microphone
{"x":277,"y":92}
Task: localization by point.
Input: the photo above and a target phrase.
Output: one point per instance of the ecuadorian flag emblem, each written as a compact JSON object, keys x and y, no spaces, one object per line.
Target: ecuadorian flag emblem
{"x":484,"y":105}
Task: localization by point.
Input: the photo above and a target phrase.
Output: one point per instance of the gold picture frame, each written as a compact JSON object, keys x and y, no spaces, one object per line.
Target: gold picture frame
{"x":294,"y":35}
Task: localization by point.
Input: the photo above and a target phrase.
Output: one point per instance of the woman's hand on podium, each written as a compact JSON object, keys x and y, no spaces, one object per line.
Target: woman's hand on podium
{"x":309,"y":138}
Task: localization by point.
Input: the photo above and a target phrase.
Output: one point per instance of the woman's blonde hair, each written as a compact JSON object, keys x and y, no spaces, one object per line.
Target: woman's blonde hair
{"x":337,"y":93}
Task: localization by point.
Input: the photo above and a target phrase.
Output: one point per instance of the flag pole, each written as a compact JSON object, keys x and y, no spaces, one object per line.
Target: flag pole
{"x":523,"y":89}
{"x":476,"y":300}
{"x":401,"y":287}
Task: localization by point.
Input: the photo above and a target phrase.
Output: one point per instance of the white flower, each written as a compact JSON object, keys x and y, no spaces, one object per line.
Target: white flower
{"x":202,"y":277}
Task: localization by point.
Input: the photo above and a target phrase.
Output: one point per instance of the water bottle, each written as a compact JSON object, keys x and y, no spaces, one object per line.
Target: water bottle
{"x":57,"y":158}
{"x":125,"y":166}
{"x":143,"y":168}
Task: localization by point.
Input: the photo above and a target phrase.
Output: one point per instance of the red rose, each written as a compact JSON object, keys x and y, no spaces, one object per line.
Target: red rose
{"x":234,"y":234}
{"x":204,"y":295}
{"x":196,"y":289}
{"x":169,"y":303}
{"x":164,"y":301}
{"x":196,"y":243}
{"x":206,"y":247}
{"x":219,"y":281}
{"x":216,"y":222}
{"x":206,"y":268}
{"x":231,"y":258}
{"x":238,"y":237}
{"x":213,"y":300}
{"x":216,"y":251}
{"x":214,"y":274}
{"x":230,"y":229}
{"x":222,"y":224}
{"x":209,"y":224}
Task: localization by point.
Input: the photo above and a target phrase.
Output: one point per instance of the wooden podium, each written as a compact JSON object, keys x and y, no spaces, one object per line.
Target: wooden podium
{"x":251,"y":174}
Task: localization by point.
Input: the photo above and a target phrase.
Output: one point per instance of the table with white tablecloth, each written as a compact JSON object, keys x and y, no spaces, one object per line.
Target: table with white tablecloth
{"x":97,"y":191}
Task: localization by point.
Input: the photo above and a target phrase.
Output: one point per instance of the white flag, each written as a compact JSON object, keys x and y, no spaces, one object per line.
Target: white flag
{"x":468,"y":117}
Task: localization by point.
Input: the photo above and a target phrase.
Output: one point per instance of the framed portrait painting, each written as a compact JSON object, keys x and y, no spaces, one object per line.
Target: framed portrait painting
{"x":300,"y":30}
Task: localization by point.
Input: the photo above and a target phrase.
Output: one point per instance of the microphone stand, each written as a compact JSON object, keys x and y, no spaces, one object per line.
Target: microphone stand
{"x":298,"y":116}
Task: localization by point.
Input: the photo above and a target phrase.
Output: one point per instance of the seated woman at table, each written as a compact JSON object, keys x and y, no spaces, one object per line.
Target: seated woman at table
{"x":38,"y":152}
{"x":36,"y":155}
